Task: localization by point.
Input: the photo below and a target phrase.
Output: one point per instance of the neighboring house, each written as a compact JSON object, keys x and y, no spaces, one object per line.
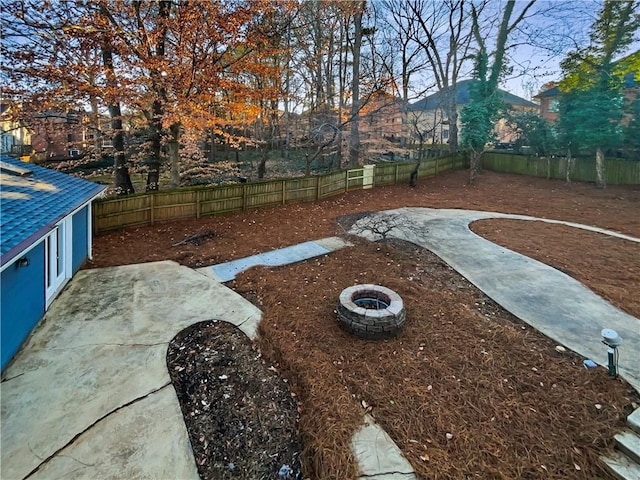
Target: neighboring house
{"x":429,"y":115}
{"x":15,"y":137}
{"x":383,"y":117}
{"x":45,"y":228}
{"x":67,"y":135}
{"x":549,"y":97}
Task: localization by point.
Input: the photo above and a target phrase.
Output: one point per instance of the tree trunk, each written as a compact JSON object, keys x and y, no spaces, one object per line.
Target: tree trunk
{"x":95,"y":120}
{"x":474,"y":166}
{"x":569,"y":171}
{"x":212,"y":150}
{"x":155,"y":148}
{"x":122,"y":178}
{"x":262,"y":165}
{"x":452,"y":117}
{"x":601,"y":181}
{"x":153,"y":175}
{"x":342,"y":73}
{"x":174,"y":155}
{"x":413,"y":178}
{"x":354,"y":143}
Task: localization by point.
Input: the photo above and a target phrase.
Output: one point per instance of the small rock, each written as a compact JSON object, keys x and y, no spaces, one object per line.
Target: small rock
{"x":560,"y":349}
{"x":598,"y":406}
{"x":285,"y":472}
{"x":449,"y":436}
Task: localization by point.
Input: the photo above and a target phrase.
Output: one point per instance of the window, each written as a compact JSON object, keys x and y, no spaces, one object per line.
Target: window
{"x":74,"y":153}
{"x":445,"y":134}
{"x":554,"y":104}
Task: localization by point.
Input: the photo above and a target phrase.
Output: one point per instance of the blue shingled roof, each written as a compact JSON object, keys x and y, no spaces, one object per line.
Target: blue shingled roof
{"x":31,"y":205}
{"x":463,"y":96}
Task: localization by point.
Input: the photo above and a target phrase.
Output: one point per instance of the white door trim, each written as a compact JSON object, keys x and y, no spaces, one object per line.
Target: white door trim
{"x":58,"y":250}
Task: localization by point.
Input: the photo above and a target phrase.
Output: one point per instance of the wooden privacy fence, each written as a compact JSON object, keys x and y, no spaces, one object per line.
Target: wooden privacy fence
{"x":196,"y":202}
{"x":617,"y":171}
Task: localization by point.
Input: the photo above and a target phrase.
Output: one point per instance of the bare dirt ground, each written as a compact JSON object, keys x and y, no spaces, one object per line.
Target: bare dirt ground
{"x":467,"y":391}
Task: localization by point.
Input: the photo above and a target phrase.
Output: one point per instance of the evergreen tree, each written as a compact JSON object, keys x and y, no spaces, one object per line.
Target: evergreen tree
{"x":591,"y":107}
{"x":484,"y":108}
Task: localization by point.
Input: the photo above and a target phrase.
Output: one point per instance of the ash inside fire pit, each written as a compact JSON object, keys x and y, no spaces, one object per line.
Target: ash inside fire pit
{"x":374,"y":303}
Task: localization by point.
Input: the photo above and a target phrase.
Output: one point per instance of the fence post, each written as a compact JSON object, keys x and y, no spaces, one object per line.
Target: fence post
{"x":152,"y":213}
{"x":284,"y":192}
{"x":318,"y":177}
{"x":244,"y":196}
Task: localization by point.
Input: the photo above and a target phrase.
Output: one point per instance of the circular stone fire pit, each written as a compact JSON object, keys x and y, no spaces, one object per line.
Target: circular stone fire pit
{"x":371,"y":311}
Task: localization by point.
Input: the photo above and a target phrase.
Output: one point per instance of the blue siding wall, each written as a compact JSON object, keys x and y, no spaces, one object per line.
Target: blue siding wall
{"x":23,"y":302}
{"x":80,"y":240}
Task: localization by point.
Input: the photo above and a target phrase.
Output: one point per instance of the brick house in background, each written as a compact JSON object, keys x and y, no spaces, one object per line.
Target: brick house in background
{"x":549,"y":98}
{"x":67,"y":135}
{"x":430,"y":117}
{"x":384,"y":117}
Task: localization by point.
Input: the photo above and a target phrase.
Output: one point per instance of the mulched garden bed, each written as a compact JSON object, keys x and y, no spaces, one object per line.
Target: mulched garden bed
{"x":241,"y":416}
{"x":466,"y":391}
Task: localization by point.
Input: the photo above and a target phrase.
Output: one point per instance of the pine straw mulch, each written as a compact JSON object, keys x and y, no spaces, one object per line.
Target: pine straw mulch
{"x":255,"y":231}
{"x":466,"y":391}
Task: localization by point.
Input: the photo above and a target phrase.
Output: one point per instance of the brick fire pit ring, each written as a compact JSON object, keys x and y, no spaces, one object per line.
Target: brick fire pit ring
{"x":371,"y":311}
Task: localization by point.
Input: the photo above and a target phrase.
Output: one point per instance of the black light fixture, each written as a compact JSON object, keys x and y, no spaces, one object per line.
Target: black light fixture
{"x":22,"y":262}
{"x":612,"y":340}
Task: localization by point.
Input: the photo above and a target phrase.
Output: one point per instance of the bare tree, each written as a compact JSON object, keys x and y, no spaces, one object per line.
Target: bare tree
{"x":444,"y":34}
{"x":354,"y":141}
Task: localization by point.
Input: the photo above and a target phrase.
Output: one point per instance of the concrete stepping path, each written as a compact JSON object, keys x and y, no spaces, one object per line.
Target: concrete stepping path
{"x":550,"y":301}
{"x":224,"y":272}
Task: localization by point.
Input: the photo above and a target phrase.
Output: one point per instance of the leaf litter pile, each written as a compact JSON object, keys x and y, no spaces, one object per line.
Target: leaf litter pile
{"x":466,"y":391}
{"x":241,"y":415}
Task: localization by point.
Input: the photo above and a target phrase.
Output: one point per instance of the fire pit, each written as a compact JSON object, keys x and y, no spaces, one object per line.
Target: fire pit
{"x":371,"y":311}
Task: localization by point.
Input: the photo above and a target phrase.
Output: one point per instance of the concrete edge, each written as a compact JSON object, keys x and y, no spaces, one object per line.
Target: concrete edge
{"x":377,"y":454}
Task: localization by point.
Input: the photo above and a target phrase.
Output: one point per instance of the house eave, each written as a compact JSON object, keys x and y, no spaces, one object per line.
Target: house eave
{"x":22,"y":248}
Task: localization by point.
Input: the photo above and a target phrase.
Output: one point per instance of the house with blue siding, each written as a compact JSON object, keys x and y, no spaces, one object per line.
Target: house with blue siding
{"x":45,"y":237}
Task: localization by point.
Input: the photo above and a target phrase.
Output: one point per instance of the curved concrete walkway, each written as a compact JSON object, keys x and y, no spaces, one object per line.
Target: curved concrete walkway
{"x":550,"y":301}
